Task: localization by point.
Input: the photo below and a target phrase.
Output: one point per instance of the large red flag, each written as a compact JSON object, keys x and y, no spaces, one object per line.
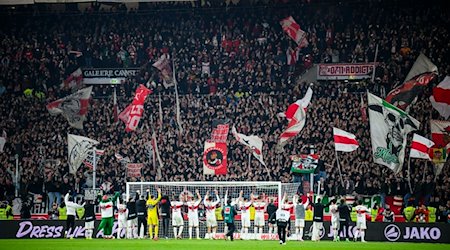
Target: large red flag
{"x":132,"y":114}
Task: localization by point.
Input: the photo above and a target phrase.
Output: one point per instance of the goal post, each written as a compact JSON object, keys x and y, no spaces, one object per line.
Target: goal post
{"x":172,"y":190}
{"x":271,"y":188}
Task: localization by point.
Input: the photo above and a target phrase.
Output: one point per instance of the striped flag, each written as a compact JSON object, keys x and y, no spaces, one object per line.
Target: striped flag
{"x":296,"y":115}
{"x":441,"y":98}
{"x":344,"y":141}
{"x":420,"y":147}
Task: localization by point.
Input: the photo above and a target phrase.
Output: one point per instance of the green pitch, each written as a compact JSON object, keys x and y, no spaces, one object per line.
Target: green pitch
{"x":100,"y":244}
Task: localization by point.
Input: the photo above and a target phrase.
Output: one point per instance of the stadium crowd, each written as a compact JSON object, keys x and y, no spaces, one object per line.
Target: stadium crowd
{"x":248,"y":83}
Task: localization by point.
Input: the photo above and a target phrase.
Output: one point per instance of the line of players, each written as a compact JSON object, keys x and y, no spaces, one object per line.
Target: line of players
{"x":140,"y":212}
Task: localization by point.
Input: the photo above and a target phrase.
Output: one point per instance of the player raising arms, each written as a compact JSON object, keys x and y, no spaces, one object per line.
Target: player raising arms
{"x":211,"y":221}
{"x":152,"y":213}
{"x":361,"y":226}
{"x":260,"y":205}
{"x":177,"y":218}
{"x":122,"y":217}
{"x":271,"y":211}
{"x":299,"y":208}
{"x":286,"y":206}
{"x":193,"y":213}
{"x":334,"y":219}
{"x":244,"y":205}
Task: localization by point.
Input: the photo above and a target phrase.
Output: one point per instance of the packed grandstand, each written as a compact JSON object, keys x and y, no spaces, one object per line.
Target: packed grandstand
{"x":234,"y":65}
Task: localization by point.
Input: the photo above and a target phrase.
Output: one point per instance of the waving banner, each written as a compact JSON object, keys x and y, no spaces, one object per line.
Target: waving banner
{"x":79,"y":148}
{"x":132,"y":114}
{"x":73,"y":107}
{"x":215,"y":158}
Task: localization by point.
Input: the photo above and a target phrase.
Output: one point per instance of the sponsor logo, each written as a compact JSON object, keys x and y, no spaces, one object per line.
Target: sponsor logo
{"x":392,"y":232}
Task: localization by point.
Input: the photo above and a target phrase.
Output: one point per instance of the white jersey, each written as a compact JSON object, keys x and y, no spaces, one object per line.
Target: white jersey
{"x":193,"y":207}
{"x":334,"y":212}
{"x":122,"y":209}
{"x":361,"y":211}
{"x":210,"y":207}
{"x":71,"y":206}
{"x":106,"y":209}
{"x":176,"y":208}
{"x":245,"y":208}
{"x":286,"y":206}
{"x":260,"y":207}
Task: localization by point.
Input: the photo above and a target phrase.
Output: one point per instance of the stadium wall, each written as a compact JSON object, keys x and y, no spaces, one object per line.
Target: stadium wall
{"x":378,"y":231}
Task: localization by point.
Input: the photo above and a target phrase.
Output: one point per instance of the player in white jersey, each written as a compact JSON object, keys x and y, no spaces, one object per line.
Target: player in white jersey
{"x":244,"y":206}
{"x":286,"y":206}
{"x":299,"y":212}
{"x":193,"y":213}
{"x":260,"y":205}
{"x":177,"y":218}
{"x":122,"y":217}
{"x":334,"y":210}
{"x":211,"y":221}
{"x":361,"y":226}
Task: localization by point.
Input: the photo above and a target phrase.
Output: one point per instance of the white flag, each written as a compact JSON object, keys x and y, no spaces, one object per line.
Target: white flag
{"x":344,"y":141}
{"x":73,"y":107}
{"x":177,"y":102}
{"x":389,"y":127}
{"x":78,"y":149}
{"x":2,"y":143}
{"x":420,"y":147}
{"x":253,"y":142}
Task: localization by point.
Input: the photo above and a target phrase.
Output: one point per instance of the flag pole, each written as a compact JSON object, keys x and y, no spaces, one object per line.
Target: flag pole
{"x":339,"y":168}
{"x":249,"y":159}
{"x":374,"y":63}
{"x":94,"y":163}
{"x":409,"y":174}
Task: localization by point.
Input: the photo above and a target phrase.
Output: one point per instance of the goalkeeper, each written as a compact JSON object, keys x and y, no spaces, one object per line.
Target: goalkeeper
{"x":152,"y":214}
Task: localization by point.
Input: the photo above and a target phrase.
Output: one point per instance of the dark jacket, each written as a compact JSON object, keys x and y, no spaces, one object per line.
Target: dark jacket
{"x":344,"y":212}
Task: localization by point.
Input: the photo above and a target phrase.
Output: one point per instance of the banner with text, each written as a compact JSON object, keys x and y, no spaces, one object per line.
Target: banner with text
{"x":345,"y":71}
{"x":134,"y":169}
{"x":108,"y":76}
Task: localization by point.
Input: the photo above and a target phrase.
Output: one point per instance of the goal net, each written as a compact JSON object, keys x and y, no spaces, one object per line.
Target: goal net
{"x":272,"y":190}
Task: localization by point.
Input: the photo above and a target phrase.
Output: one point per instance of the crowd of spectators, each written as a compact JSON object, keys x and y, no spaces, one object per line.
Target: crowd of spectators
{"x":248,"y":83}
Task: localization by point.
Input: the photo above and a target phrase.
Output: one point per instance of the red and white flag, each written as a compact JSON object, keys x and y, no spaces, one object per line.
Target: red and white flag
{"x":440,"y":133}
{"x":292,"y":29}
{"x":441,"y":98}
{"x":215,"y":158}
{"x":89,"y":161}
{"x":421,"y":73}
{"x":76,"y":53}
{"x":74,"y":79}
{"x":292,"y":56}
{"x":420,"y":147}
{"x":296,"y":115}
{"x":163,"y":65}
{"x":73,"y":107}
{"x":344,"y":141}
{"x":132,"y":114}
{"x":253,"y":142}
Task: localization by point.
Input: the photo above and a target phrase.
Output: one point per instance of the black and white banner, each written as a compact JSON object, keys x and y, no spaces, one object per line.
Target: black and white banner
{"x":376,"y":231}
{"x":108,"y":76}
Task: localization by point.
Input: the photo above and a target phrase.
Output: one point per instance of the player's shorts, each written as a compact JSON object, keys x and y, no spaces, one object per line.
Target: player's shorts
{"x":132,"y":223}
{"x":299,"y":222}
{"x":211,"y":221}
{"x":152,"y":220}
{"x":122,"y":223}
{"x":177,"y":220}
{"x":193,"y":220}
{"x":245,"y":220}
{"x":272,"y":220}
{"x":89,"y":225}
{"x":259,"y":220}
{"x":335,"y":223}
{"x":361,"y":224}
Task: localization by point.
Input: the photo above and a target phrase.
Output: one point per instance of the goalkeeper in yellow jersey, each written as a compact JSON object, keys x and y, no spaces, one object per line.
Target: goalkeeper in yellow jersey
{"x":152,"y":214}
